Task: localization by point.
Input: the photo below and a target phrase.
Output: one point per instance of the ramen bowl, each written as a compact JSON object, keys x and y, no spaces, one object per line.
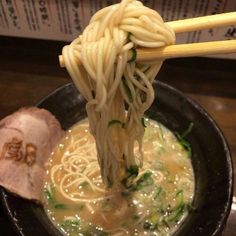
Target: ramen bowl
{"x":211,"y":162}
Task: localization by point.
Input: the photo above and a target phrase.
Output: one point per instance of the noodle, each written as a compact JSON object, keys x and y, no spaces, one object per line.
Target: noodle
{"x":76,"y":168}
{"x":115,"y":88}
{"x":79,"y":165}
{"x":161,"y":190}
{"x":118,"y":89}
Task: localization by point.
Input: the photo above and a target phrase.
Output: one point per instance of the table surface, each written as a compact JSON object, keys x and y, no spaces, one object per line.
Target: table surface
{"x":29,"y":70}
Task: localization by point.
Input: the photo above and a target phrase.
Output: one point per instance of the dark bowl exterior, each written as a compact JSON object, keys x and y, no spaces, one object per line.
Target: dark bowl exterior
{"x":211,"y":162}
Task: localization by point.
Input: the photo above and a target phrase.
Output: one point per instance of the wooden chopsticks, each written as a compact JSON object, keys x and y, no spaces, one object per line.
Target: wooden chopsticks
{"x":190,"y":49}
{"x":203,"y":22}
{"x":186,"y":50}
{"x":193,"y":49}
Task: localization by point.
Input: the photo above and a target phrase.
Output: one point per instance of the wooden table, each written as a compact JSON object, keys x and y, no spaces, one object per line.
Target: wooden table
{"x":29,"y":70}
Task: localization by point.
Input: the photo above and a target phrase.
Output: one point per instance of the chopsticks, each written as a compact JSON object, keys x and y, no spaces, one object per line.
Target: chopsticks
{"x":186,"y":50}
{"x":191,"y":49}
{"x":203,"y":22}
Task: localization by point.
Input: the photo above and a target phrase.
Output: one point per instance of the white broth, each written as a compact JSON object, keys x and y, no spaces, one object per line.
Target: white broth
{"x":154,"y":202}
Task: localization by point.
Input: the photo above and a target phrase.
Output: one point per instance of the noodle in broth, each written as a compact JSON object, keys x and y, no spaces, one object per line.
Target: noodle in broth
{"x":104,"y":178}
{"x":154,"y":203}
{"x":112,"y":83}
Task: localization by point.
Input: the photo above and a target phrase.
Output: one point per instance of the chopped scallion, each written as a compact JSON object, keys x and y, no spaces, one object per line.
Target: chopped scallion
{"x":50,"y":196}
{"x":183,"y":142}
{"x":60,"y":206}
{"x":133,"y":55}
{"x":132,"y":172}
{"x":179,"y":198}
{"x":145,"y":180}
{"x":71,"y":226}
{"x":127,"y":90}
{"x":147,"y":225}
{"x":143,"y":122}
{"x":158,"y":192}
{"x":129,"y":35}
{"x":176,"y":214}
{"x":188,"y":130}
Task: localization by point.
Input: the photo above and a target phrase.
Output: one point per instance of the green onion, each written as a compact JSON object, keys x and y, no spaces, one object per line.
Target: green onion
{"x":127,"y":90}
{"x":60,"y":206}
{"x":72,"y":223}
{"x":161,"y":134}
{"x":179,"y":198}
{"x":49,"y":193}
{"x":191,"y":208}
{"x":92,"y":231}
{"x":71,"y":226}
{"x":147,"y":225}
{"x":165,"y":223}
{"x":158,"y":196}
{"x":112,"y":122}
{"x":159,"y":192}
{"x":50,"y":196}
{"x":134,"y":55}
{"x":189,"y":129}
{"x":143,"y":122}
{"x":129,"y":35}
{"x":145,"y":180}
{"x":176,"y":214}
{"x":183,"y":142}
{"x":132,"y":172}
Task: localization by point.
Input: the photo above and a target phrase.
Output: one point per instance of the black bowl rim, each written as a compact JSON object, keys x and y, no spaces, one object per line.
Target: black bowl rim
{"x":224,"y":215}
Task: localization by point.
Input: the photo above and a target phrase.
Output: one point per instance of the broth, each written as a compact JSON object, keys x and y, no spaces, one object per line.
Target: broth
{"x":155,"y":202}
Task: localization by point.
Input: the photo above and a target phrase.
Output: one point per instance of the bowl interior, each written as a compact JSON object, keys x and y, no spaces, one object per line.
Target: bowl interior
{"x":211,"y":161}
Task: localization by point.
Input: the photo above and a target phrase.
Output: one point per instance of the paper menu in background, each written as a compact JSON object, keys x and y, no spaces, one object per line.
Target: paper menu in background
{"x":65,"y":19}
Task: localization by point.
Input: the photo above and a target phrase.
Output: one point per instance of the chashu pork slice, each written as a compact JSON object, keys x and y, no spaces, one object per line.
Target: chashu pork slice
{"x":27,"y":138}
